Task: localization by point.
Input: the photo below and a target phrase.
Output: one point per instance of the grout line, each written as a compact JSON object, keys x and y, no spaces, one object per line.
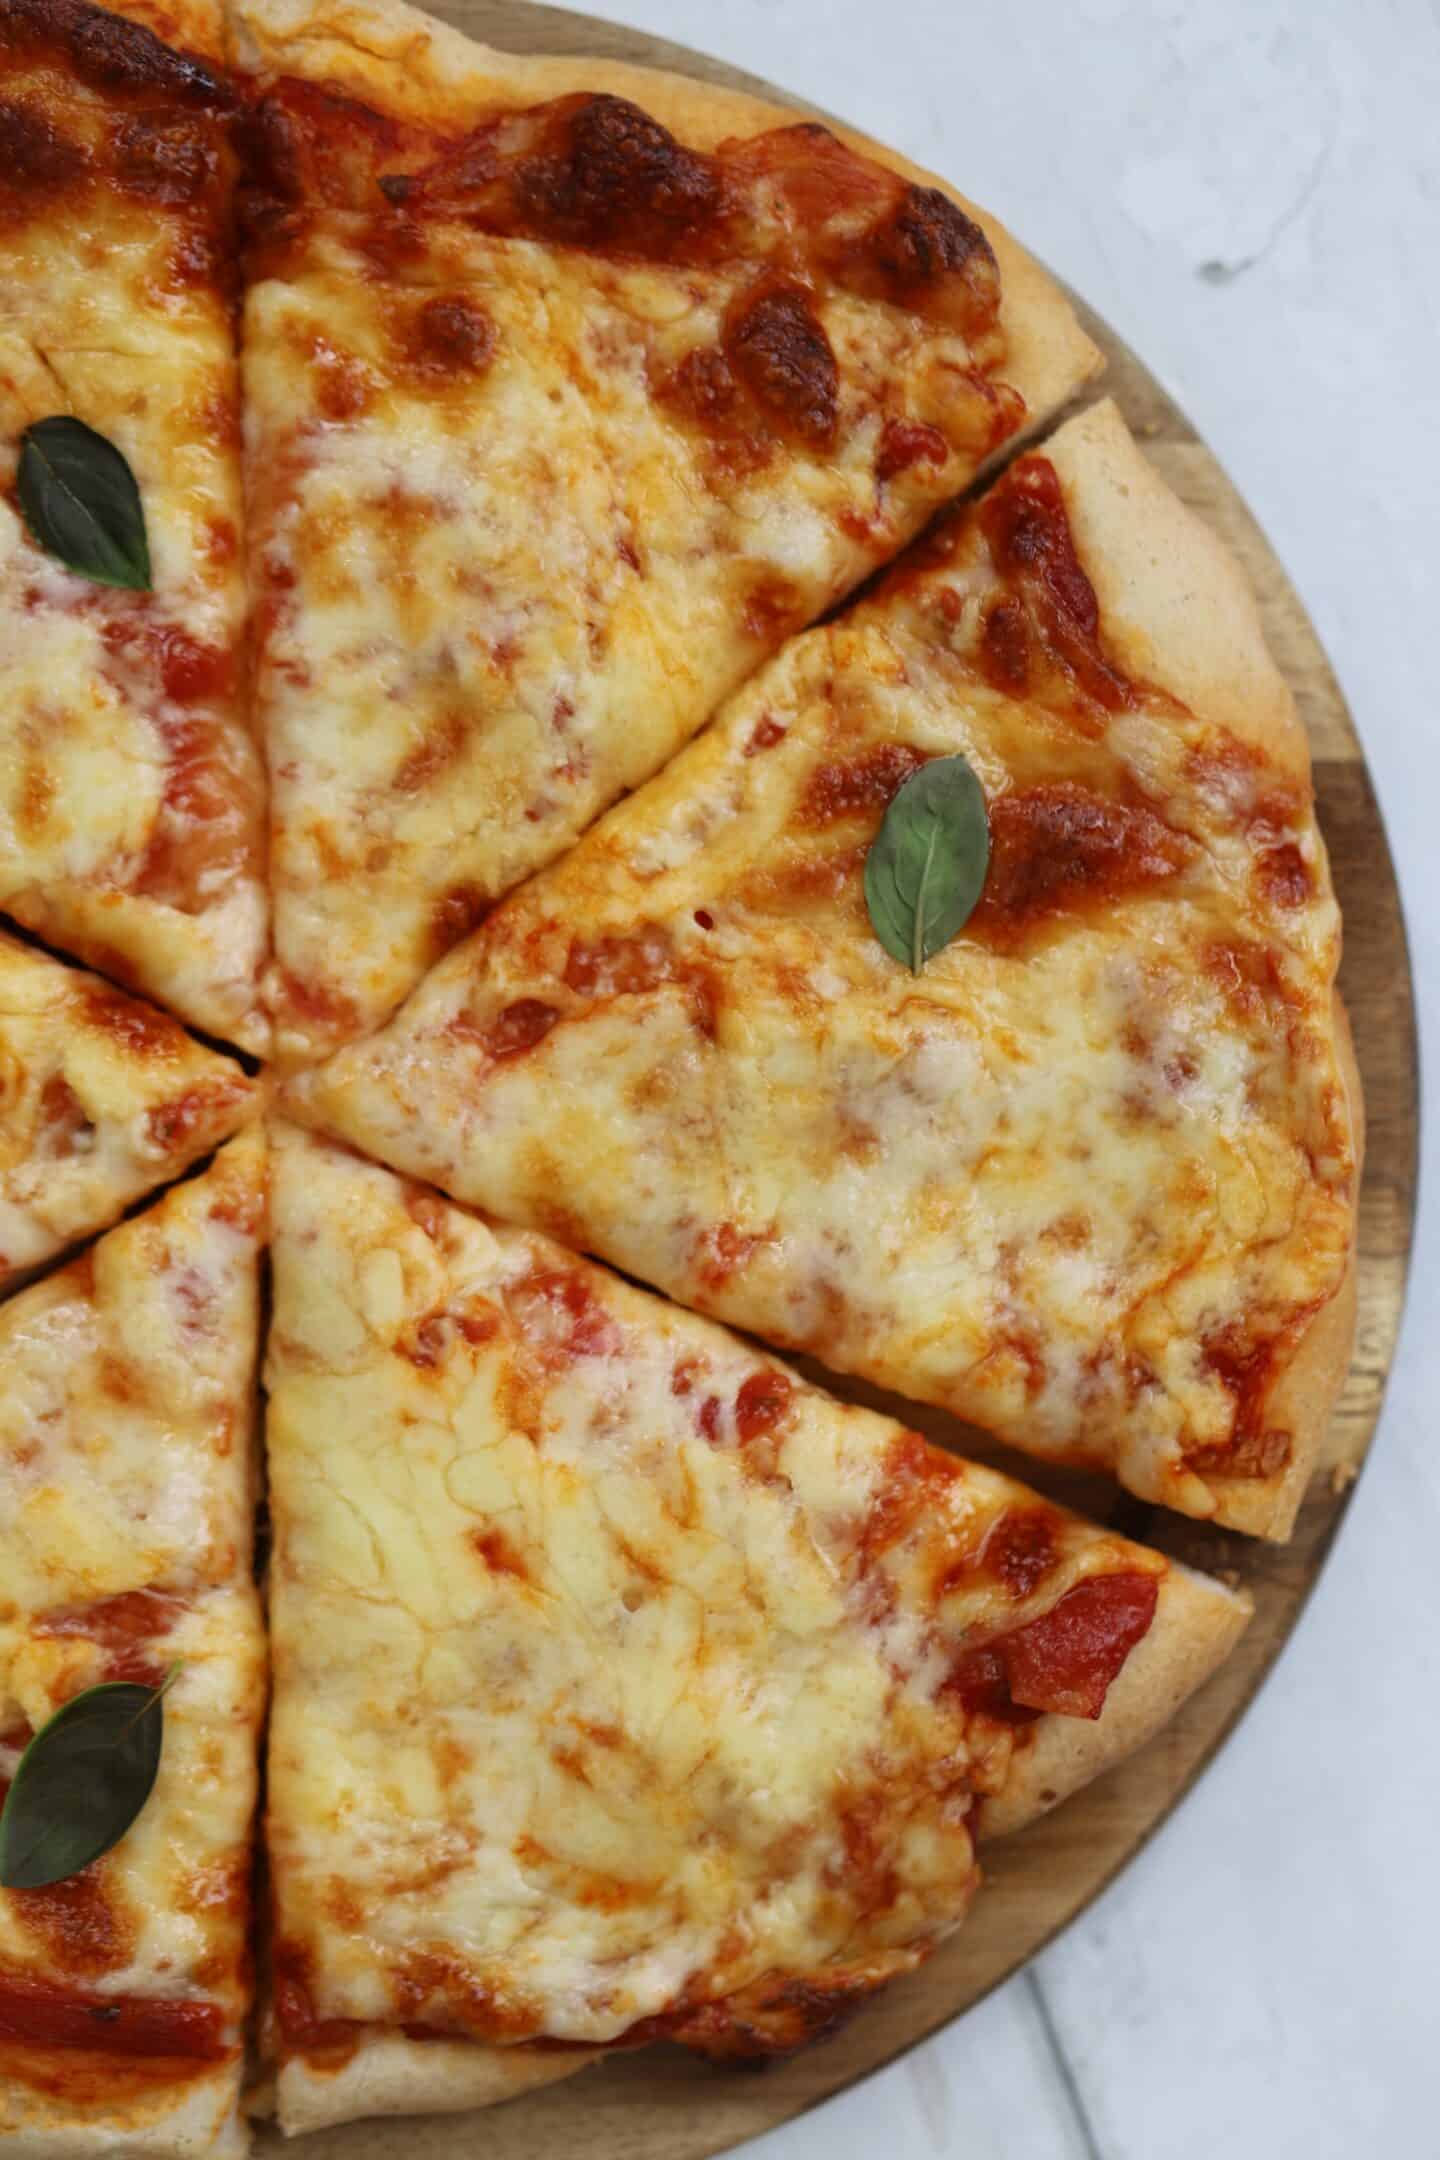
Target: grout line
{"x":1069,"y":2084}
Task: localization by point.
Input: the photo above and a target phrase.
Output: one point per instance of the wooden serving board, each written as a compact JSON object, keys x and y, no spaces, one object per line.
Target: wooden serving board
{"x":661,"y":2104}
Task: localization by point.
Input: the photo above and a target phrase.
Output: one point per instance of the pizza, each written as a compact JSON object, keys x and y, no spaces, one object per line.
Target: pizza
{"x":127,"y":1488}
{"x":131,"y":793}
{"x":102,"y":1098}
{"x":567,"y":701}
{"x":562,"y":412}
{"x":1089,"y":1181}
{"x":625,"y":1685}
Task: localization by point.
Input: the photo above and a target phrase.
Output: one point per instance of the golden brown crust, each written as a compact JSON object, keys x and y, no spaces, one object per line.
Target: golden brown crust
{"x":1177,"y":608}
{"x":1197,"y":1624}
{"x":388,"y":2074}
{"x":404,"y":62}
{"x":161,"y":2123}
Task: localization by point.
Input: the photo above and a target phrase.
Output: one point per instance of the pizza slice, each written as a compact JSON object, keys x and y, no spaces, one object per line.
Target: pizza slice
{"x":102,"y":1098}
{"x":563,"y":409}
{"x":126,"y":1507}
{"x":131,"y":793}
{"x":1090,"y":1179}
{"x":626,"y":1687}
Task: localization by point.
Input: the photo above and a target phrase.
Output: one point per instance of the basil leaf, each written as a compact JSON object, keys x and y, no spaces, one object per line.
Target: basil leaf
{"x":926,"y":866}
{"x":81,"y":502}
{"x":81,"y":1783}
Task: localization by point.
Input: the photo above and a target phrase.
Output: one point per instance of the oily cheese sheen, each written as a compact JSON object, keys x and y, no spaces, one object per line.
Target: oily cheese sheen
{"x":562,"y":1574}
{"x":130,"y":789}
{"x":126,"y":1511}
{"x":101,"y":1099}
{"x":495,"y":744}
{"x":557,"y":425}
{"x":1086,"y":1181}
{"x":478,"y":718}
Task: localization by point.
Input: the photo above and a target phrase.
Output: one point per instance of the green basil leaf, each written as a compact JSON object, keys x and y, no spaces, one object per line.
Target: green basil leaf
{"x":926,"y":866}
{"x":81,"y":502}
{"x":81,"y":1782}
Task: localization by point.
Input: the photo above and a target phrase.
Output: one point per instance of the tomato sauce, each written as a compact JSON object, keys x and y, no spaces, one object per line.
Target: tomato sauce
{"x":1059,"y":848}
{"x":125,"y":1628}
{"x":1066,"y":1660}
{"x":40,"y":2013}
{"x":1046,"y":620}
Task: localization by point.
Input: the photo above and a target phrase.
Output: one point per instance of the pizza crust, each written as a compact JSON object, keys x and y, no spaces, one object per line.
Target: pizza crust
{"x":404,"y":62}
{"x":1177,"y":607}
{"x":390,"y":2075}
{"x":202,"y":2120}
{"x":1197,"y":1624}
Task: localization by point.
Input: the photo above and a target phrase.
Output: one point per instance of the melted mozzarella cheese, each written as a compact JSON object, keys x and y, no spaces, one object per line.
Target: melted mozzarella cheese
{"x":101,"y":1098}
{"x":1078,"y":1182}
{"x":126,"y":1503}
{"x":123,"y":1417}
{"x":604,"y":1680}
{"x":519,"y":576}
{"x":130,"y":789}
{"x":168,"y":1904}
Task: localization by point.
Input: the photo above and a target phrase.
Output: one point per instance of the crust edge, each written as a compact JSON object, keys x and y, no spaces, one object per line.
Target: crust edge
{"x":1197,"y":1624}
{"x":391,"y":54}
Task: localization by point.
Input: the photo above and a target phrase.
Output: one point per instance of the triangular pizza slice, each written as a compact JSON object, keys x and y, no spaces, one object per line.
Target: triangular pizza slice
{"x":131,"y":793}
{"x":626,"y":1686}
{"x":127,"y":1490}
{"x":102,"y":1099}
{"x":563,"y":409}
{"x":1090,"y":1179}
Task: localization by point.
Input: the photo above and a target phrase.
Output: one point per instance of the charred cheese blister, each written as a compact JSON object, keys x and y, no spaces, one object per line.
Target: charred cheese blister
{"x":556,"y":428}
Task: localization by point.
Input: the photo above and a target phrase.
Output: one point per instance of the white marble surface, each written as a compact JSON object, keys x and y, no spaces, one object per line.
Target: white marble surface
{"x":1250,"y":191}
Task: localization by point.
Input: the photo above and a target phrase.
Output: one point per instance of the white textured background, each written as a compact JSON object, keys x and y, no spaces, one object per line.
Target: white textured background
{"x":1250,"y":191}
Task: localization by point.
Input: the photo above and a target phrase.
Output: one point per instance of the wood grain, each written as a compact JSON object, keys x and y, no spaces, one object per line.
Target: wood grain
{"x":661,"y":2104}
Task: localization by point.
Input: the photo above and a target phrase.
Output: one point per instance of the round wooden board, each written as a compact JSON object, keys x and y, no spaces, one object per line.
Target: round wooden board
{"x":661,"y":2104}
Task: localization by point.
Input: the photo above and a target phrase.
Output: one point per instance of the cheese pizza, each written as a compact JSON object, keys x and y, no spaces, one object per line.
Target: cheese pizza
{"x":102,"y":1099}
{"x":538,"y":594}
{"x":560,"y":418}
{"x":1090,"y":1179}
{"x":127,"y":1490}
{"x":130,"y":789}
{"x":626,"y":1687}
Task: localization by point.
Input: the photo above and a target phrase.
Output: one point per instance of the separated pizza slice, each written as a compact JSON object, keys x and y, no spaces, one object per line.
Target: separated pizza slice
{"x":627,"y":1687}
{"x":131,"y":793}
{"x":1090,"y":1179}
{"x":126,"y":1505}
{"x":102,"y":1099}
{"x":563,"y":408}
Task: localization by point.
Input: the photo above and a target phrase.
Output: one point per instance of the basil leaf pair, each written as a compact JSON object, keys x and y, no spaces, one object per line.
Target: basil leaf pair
{"x":81,"y":502}
{"x":81,"y":1782}
{"x":926,"y":867}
